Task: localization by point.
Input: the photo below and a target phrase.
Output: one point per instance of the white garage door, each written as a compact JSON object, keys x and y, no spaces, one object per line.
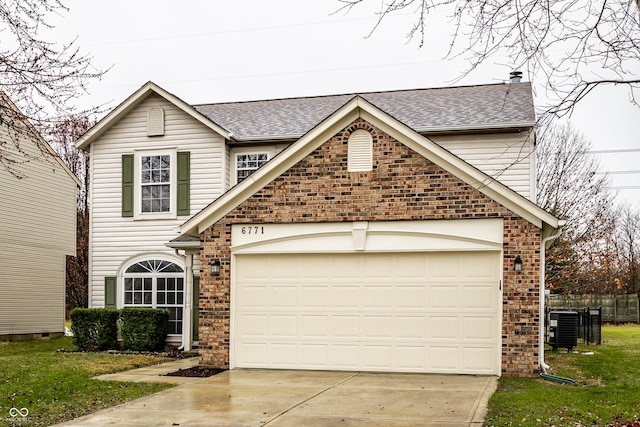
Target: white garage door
{"x":398,"y":312}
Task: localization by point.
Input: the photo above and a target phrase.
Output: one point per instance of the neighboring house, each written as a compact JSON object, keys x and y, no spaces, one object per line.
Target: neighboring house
{"x":37,"y":229}
{"x":374,"y":231}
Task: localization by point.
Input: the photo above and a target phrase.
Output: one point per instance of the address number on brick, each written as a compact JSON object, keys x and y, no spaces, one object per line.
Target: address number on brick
{"x":253,"y":230}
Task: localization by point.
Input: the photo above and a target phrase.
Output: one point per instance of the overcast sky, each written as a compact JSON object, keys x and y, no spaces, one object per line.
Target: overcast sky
{"x":215,"y":51}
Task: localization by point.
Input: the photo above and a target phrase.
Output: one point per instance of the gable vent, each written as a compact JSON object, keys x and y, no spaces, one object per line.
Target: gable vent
{"x":360,"y":151}
{"x":155,"y":121}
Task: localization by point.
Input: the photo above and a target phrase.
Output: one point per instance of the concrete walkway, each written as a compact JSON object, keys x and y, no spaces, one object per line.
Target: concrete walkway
{"x":281,"y":398}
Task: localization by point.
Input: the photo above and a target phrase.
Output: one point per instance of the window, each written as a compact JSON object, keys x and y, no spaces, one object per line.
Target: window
{"x":157,"y":284}
{"x":247,"y":163}
{"x":155,"y":183}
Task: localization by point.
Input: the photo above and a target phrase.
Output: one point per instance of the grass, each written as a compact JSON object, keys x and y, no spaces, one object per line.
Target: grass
{"x":608,"y":390}
{"x":56,"y":387}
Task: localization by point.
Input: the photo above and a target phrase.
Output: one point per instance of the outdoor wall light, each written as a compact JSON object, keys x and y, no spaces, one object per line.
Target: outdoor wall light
{"x":517,"y":264}
{"x":215,"y":267}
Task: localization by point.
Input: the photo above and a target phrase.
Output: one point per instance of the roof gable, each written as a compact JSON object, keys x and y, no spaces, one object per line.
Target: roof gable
{"x":5,"y":100}
{"x":132,"y":102}
{"x":358,"y":107}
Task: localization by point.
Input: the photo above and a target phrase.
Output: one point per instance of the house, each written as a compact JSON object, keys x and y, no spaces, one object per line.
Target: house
{"x":38,"y":229}
{"x":370,"y":232}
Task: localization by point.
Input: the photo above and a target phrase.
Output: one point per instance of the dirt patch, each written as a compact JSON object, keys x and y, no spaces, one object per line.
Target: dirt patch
{"x":195,"y":372}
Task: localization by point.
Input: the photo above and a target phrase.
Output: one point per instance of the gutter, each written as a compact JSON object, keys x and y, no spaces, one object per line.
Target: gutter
{"x":424,"y":130}
{"x":543,"y":365}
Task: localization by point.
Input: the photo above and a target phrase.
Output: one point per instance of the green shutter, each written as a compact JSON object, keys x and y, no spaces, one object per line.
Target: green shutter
{"x":110,"y":292}
{"x":184,"y":173}
{"x":196,"y":305}
{"x":127,"y":185}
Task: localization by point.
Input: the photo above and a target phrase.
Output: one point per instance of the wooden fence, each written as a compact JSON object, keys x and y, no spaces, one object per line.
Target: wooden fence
{"x":615,"y":308}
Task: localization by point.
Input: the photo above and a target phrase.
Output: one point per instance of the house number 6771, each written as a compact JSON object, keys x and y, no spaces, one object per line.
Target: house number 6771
{"x":252,"y":230}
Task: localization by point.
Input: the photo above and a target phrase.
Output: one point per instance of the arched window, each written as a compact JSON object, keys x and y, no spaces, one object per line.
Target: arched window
{"x":158,"y":284}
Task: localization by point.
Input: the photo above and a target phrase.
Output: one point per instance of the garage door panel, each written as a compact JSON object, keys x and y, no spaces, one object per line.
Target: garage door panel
{"x":411,"y":328}
{"x":444,"y":297}
{"x":377,"y":327}
{"x":476,"y":359}
{"x":376,"y":297}
{"x":282,"y":355}
{"x":410,"y":297}
{"x":253,"y":325}
{"x":377,"y":357}
{"x":345,"y":326}
{"x":283,"y":326}
{"x":444,"y":358}
{"x":345,"y":356}
{"x":252,"y":297}
{"x":480,"y":297}
{"x":315,"y":296}
{"x":283,"y":297}
{"x":345,"y":296}
{"x":444,"y":328}
{"x":345,"y":311}
{"x":478,"y":328}
{"x":314,"y":356}
{"x":314,"y":326}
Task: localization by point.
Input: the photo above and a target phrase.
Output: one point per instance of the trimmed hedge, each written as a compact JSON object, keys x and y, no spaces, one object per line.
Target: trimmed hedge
{"x":141,"y":329}
{"x":95,"y":329}
{"x":144,"y":329}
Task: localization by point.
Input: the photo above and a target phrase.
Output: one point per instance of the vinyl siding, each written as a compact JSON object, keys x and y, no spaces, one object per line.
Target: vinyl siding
{"x":38,"y":227}
{"x":116,"y":240}
{"x":507,"y":157}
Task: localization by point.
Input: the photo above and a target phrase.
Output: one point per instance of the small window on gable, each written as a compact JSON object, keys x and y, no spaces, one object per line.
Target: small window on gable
{"x":360,"y":151}
{"x":155,"y":121}
{"x":248,"y":162}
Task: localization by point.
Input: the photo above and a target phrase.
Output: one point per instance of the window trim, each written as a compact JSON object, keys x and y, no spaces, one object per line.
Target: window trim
{"x":173,"y":184}
{"x":246,"y":150}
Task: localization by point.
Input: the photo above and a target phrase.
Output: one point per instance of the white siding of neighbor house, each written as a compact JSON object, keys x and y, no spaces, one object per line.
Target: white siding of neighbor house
{"x":114,"y":239}
{"x":37,"y":231}
{"x":507,"y":157}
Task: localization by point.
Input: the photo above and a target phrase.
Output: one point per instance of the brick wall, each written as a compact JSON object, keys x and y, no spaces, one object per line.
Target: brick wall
{"x":402,"y":186}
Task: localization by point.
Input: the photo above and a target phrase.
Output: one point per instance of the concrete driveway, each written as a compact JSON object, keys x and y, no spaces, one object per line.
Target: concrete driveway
{"x":278,"y":398}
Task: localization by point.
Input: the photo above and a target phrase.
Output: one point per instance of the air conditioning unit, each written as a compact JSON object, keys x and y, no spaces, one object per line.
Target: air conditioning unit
{"x":563,"y":329}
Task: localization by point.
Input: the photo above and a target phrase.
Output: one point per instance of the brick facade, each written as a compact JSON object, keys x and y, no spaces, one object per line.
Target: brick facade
{"x":403,"y":185}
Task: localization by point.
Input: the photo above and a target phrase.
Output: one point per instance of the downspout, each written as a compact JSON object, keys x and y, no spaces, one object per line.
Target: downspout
{"x":543,"y":244}
{"x":187,"y":316}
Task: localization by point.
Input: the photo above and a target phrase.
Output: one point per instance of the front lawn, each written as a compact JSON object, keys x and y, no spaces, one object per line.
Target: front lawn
{"x":56,"y":387}
{"x":608,"y":390}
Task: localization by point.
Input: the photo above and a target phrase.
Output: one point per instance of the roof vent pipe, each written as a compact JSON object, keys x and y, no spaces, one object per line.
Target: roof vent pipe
{"x":515,"y":76}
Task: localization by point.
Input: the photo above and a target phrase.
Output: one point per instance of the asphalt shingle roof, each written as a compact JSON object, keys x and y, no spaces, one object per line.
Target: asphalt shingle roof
{"x":421,"y":109}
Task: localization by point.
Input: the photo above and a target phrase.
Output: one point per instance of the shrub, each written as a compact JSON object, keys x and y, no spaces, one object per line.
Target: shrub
{"x":95,"y":328}
{"x":144,"y":329}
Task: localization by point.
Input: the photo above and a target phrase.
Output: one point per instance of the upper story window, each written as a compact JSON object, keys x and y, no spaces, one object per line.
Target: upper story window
{"x":247,"y":162}
{"x":155,"y":183}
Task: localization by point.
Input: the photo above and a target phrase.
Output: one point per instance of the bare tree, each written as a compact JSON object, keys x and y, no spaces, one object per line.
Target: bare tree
{"x":570,"y":187}
{"x":43,"y":78}
{"x":628,"y":249}
{"x":62,"y":137}
{"x":572,"y":46}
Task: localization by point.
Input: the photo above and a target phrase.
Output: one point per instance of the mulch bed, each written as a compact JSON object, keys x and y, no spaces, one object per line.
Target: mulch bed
{"x":195,"y":372}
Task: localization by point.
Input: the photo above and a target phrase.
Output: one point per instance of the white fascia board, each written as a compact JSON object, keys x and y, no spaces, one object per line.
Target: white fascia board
{"x":270,"y":171}
{"x":458,"y":167}
{"x":131,"y":102}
